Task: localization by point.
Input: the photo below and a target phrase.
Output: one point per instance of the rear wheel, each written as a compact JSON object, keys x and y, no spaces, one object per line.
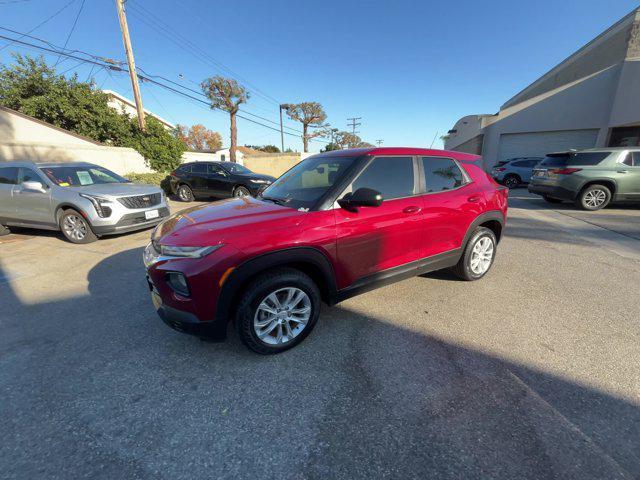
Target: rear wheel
{"x":551,"y":199}
{"x":185,"y":193}
{"x":594,"y":197}
{"x":76,"y":228}
{"x":511,"y":181}
{"x":277,"y":311}
{"x":241,"y":191}
{"x":4,"y":231}
{"x":478,"y":255}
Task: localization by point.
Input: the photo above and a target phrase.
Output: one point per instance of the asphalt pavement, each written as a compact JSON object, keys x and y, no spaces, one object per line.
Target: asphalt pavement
{"x":532,"y":372}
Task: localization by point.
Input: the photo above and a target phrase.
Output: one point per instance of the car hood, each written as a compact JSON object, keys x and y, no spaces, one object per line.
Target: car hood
{"x":221,"y":221}
{"x":116,"y":189}
{"x":255,"y":176}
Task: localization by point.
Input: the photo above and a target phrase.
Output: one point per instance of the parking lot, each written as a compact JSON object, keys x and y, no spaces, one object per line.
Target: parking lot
{"x":532,"y":372}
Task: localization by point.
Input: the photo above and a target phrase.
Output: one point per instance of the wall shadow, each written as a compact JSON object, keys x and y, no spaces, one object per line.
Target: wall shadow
{"x":96,"y":385}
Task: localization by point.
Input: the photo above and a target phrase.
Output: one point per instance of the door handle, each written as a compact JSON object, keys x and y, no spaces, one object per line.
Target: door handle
{"x":623,"y":171}
{"x":474,"y":198}
{"x":411,"y":209}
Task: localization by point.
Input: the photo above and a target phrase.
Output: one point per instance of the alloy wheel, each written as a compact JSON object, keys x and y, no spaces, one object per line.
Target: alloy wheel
{"x":282,"y":315}
{"x":240,"y":192}
{"x":511,"y":182}
{"x":595,"y":198}
{"x":481,"y":256}
{"x":74,"y":227}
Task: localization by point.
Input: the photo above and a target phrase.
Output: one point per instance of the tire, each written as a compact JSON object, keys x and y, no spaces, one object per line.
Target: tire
{"x":263,"y":338}
{"x":241,"y":191}
{"x":4,"y":231}
{"x":511,"y":181}
{"x":594,"y":197}
{"x":465,"y":268}
{"x":551,"y":199}
{"x":75,"y":228}
{"x":185,"y":194}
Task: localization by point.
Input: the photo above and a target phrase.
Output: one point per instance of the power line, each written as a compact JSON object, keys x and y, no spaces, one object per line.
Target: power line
{"x":73,"y":27}
{"x":41,"y":23}
{"x":148,"y":78}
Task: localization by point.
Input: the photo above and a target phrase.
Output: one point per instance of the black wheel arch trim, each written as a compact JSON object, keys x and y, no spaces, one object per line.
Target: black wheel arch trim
{"x":311,"y":256}
{"x":492,"y":215}
{"x":65,"y":206}
{"x":598,"y":181}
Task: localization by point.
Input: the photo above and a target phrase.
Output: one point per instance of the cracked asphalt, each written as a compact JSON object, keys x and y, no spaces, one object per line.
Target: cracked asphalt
{"x":532,"y":372}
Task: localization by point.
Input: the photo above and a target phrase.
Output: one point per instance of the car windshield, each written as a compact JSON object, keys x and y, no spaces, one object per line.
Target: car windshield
{"x":235,"y":168}
{"x":304,"y":184}
{"x":79,"y":176}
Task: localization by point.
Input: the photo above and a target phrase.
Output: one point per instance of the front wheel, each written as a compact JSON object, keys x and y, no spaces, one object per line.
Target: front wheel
{"x":75,"y":228}
{"x":277,"y":311}
{"x":241,"y":191}
{"x":478,"y":255}
{"x":511,"y":181}
{"x":594,"y":197}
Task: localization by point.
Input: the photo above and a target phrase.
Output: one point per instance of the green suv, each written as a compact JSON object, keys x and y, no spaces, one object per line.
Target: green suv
{"x":590,"y":178}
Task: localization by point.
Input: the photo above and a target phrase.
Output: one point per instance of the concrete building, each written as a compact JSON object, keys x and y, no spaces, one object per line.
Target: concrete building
{"x":128,"y":107}
{"x":591,"y":99}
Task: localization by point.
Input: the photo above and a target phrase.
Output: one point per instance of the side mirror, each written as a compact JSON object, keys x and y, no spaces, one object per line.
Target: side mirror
{"x":362,"y":197}
{"x":33,"y":186}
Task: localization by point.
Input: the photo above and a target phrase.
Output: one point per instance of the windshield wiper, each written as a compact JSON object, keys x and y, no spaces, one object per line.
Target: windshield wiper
{"x":277,"y":201}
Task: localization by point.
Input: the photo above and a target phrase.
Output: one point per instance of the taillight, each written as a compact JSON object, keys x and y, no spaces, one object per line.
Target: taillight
{"x":500,"y":169}
{"x":564,"y":171}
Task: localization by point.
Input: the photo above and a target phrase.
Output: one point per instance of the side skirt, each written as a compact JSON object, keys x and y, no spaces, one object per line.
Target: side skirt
{"x":402,"y":272}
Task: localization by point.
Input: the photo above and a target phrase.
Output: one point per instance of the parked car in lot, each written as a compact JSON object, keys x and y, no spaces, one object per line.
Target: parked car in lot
{"x":515,"y":171}
{"x":337,"y":224}
{"x":82,"y":200}
{"x":590,"y":178}
{"x":216,"y":179}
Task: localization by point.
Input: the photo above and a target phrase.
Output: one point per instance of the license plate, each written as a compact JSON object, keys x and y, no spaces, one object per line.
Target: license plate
{"x":149,"y":214}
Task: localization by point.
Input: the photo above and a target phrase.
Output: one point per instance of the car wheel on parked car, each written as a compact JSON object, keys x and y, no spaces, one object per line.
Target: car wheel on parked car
{"x":594,"y":197}
{"x":278,"y":310}
{"x":185,"y":194}
{"x":511,"y":181}
{"x":478,"y":255}
{"x":241,"y":191}
{"x":75,"y":228}
{"x":551,"y":199}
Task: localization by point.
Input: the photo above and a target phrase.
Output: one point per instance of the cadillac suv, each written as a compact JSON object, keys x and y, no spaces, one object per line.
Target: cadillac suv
{"x":335,"y":225}
{"x":82,"y":200}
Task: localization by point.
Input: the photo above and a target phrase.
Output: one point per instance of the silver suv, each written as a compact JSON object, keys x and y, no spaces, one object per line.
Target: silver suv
{"x":515,"y":171}
{"x":83,"y":200}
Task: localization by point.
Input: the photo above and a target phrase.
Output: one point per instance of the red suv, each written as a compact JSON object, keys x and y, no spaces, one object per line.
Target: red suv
{"x":337,"y":224}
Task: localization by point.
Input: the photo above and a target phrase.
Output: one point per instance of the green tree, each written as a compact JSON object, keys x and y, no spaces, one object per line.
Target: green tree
{"x":330,"y":146}
{"x":311,"y":115}
{"x":226,"y":94}
{"x":265,"y":148}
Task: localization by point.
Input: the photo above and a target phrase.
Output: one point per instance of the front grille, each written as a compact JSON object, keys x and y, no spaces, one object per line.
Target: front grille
{"x":141,"y":201}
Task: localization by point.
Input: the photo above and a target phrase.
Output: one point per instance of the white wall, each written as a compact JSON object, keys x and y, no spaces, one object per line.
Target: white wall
{"x":211,"y":157}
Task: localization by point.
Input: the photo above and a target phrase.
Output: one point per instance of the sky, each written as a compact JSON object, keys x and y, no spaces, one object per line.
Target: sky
{"x":409,"y":69}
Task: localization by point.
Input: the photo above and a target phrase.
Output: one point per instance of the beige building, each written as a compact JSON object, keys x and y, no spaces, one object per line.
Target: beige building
{"x":128,"y":107}
{"x":591,"y":99}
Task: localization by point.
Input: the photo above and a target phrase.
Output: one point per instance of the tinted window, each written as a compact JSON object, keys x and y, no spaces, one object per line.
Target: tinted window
{"x":441,"y":174}
{"x":199,"y":168}
{"x":9,"y":175}
{"x":28,"y":175}
{"x":520,"y":163}
{"x":214,"y":169}
{"x":636,"y":158}
{"x":391,"y":176}
{"x":628,"y":159}
{"x":185,"y":168}
{"x":235,"y":168}
{"x":533,"y":163}
{"x":574,"y":159}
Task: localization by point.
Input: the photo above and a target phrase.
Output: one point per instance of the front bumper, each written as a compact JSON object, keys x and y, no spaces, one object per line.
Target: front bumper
{"x":552,"y":191}
{"x":130,"y":222}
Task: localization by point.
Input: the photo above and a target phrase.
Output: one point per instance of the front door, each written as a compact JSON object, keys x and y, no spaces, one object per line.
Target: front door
{"x":218,"y":182}
{"x":32,"y":207}
{"x":375,"y":239}
{"x":627,"y":176}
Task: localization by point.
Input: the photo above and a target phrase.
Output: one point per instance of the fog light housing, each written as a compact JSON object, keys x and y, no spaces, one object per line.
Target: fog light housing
{"x":178,"y":283}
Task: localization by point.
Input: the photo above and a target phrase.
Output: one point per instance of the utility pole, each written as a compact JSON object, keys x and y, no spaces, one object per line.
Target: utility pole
{"x":132,"y":65}
{"x":281,"y":130}
{"x":379,"y":142}
{"x":354,"y":123}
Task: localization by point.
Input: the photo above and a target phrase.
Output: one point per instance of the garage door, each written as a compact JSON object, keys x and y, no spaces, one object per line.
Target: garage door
{"x":540,"y":143}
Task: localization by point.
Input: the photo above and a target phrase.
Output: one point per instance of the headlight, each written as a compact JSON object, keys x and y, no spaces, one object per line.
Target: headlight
{"x":187,"y":252}
{"x":99,"y":203}
{"x":261,"y":181}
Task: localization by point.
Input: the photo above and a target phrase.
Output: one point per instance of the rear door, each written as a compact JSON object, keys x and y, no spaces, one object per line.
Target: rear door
{"x":8,"y":179}
{"x":374,"y":239}
{"x":198,"y":178}
{"x":451,"y":203}
{"x":628,"y":176}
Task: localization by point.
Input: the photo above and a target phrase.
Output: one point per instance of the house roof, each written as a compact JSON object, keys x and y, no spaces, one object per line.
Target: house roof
{"x":131,"y":103}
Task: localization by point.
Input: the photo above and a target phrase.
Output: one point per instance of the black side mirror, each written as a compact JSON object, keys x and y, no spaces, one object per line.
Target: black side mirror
{"x":362,"y":197}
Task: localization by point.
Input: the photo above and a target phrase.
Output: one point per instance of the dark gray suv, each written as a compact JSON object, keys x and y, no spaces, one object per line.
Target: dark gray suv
{"x":83,"y":200}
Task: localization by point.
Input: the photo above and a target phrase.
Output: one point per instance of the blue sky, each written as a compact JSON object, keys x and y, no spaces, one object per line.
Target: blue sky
{"x":410,"y":69}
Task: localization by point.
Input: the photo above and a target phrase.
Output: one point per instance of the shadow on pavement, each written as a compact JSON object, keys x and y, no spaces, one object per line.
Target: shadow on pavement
{"x":96,"y":386}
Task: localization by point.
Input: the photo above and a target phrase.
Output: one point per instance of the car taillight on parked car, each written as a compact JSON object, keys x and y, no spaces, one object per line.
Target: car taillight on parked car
{"x":500,"y":169}
{"x":564,"y":171}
